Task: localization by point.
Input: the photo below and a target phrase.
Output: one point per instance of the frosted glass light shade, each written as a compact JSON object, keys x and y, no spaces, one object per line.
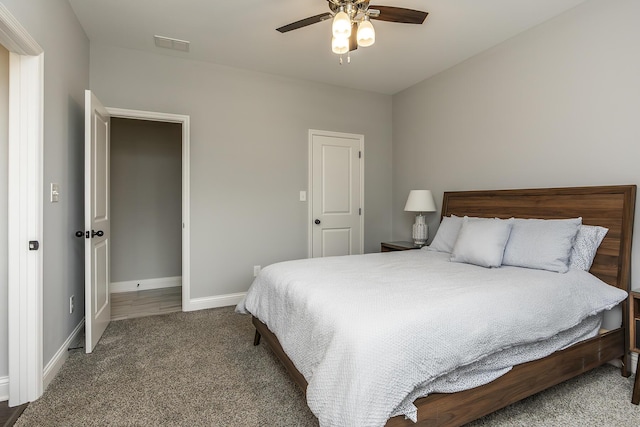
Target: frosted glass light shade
{"x":366,"y":34}
{"x":420,"y":201}
{"x":340,"y":45}
{"x":341,"y":25}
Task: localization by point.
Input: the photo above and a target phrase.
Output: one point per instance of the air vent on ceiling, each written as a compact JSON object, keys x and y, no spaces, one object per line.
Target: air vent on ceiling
{"x":169,"y":43}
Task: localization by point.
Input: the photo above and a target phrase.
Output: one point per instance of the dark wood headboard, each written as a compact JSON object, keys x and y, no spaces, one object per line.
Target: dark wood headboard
{"x":611,"y":207}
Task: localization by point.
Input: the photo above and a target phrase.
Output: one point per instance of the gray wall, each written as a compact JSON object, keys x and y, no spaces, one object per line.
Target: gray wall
{"x":4,"y":154}
{"x":54,"y":26}
{"x":249,"y":138}
{"x":146,"y":200}
{"x":556,"y":106}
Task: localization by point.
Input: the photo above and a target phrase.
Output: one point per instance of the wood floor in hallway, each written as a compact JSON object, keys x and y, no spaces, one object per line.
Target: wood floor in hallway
{"x":127,"y":305}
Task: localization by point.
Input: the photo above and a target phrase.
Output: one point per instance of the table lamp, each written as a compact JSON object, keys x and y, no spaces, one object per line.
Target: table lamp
{"x":420,"y":201}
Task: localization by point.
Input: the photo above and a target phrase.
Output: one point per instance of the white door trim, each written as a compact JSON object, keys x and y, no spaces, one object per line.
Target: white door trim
{"x":14,"y":37}
{"x":359,"y":137}
{"x":26,"y":103}
{"x":187,"y":304}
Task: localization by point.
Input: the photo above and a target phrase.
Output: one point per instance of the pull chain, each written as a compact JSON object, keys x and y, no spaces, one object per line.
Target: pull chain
{"x":348,"y":59}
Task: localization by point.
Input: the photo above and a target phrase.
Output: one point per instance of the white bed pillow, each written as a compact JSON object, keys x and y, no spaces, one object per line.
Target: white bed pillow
{"x":543,"y":244}
{"x":446,"y":235}
{"x":584,"y":249}
{"x":481,"y":241}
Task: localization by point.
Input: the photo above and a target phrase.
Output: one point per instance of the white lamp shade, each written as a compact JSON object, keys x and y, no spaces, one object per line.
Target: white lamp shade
{"x":366,"y":34}
{"x":340,"y":45}
{"x":420,"y":201}
{"x":341,"y":25}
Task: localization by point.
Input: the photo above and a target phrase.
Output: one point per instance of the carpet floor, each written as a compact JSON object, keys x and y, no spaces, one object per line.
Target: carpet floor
{"x":201,"y":369}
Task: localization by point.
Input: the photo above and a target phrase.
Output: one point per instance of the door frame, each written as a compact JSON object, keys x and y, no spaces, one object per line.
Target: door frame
{"x":186,"y":195}
{"x":312,"y":133}
{"x":25,"y":210}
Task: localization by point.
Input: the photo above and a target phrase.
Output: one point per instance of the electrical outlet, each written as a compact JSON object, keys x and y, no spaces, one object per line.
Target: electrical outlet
{"x":256,"y":270}
{"x":71,"y":303}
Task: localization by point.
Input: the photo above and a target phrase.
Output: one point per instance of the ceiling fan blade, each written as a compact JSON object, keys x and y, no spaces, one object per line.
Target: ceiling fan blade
{"x":399,"y":14}
{"x":304,"y":22}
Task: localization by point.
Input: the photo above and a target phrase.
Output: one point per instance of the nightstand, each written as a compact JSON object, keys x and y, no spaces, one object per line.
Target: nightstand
{"x":397,"y":246}
{"x":634,"y":339}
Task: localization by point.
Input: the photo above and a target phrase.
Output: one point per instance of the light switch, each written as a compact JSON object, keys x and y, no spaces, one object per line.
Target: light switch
{"x":55,"y":192}
{"x":303,"y":196}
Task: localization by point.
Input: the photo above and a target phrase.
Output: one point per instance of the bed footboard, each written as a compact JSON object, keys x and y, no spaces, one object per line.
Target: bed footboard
{"x":457,"y":409}
{"x":522,"y":381}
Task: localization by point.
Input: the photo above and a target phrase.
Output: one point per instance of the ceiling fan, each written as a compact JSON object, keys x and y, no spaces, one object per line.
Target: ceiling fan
{"x":351,"y":22}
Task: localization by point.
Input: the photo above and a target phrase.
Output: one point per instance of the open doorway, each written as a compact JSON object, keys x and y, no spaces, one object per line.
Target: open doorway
{"x":146,"y":217}
{"x":167,"y":180}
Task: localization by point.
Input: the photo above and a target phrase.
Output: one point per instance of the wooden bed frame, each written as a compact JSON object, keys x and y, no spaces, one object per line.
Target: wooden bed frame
{"x":611,"y":207}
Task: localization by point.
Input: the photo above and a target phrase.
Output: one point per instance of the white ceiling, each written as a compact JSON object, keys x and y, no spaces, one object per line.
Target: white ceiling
{"x":241,"y":34}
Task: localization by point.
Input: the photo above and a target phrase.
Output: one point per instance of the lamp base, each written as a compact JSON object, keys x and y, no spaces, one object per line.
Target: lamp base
{"x":420,"y":231}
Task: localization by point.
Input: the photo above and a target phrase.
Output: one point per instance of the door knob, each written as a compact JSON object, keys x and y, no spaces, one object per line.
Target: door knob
{"x":317,"y":221}
{"x":79,"y":233}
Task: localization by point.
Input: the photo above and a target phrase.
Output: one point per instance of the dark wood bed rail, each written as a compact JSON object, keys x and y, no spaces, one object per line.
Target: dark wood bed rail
{"x":527,"y":379}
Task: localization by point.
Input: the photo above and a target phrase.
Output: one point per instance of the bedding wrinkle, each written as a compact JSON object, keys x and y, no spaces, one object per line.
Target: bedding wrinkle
{"x":371,"y":333}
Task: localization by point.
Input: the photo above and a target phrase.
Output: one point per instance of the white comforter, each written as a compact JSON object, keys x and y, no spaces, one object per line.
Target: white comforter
{"x":371,"y":332}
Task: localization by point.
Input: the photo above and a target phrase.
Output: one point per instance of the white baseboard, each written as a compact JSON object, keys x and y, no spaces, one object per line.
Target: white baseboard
{"x":4,"y":388}
{"x":213,"y":302}
{"x":146,"y":284}
{"x":634,"y":362}
{"x":58,"y":359}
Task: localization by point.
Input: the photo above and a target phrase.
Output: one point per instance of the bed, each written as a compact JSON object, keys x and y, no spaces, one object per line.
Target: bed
{"x":611,"y":207}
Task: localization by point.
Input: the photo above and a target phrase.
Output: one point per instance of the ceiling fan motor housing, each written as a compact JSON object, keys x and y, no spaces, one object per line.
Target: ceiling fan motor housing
{"x":351,"y":7}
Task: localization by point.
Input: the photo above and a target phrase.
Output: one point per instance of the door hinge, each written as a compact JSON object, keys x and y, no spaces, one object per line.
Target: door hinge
{"x":359,"y":211}
{"x":359,"y":154}
{"x":34,"y":245}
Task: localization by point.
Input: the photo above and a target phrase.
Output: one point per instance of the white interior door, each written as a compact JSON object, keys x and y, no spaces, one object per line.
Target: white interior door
{"x":97,"y":220}
{"x":336,"y":194}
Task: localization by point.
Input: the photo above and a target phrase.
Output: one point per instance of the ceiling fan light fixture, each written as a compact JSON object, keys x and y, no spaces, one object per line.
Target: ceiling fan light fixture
{"x":351,"y":26}
{"x":366,"y":33}
{"x":341,"y":25}
{"x":340,"y":45}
